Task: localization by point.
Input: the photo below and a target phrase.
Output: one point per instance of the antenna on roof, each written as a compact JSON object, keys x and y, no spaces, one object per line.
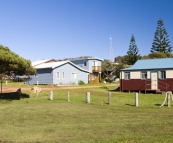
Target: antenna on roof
{"x":110,"y":49}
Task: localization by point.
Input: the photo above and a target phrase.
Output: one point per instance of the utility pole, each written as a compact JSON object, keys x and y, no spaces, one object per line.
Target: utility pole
{"x":110,"y":49}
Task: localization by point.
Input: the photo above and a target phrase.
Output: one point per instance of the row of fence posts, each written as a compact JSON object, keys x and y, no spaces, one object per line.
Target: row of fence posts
{"x":110,"y":97}
{"x":68,"y":96}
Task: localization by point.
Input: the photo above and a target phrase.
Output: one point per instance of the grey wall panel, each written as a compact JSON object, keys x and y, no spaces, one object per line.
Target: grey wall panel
{"x":68,"y":69}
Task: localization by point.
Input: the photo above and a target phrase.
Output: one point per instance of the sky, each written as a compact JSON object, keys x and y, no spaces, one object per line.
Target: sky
{"x":59,"y":29}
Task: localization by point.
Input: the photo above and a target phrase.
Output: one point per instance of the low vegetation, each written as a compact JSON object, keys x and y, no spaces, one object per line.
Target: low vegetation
{"x":40,"y":120}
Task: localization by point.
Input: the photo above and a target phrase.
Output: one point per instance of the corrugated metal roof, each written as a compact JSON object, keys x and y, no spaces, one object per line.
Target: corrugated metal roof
{"x":57,"y":64}
{"x":162,"y":63}
{"x":35,"y":63}
{"x":78,"y":59}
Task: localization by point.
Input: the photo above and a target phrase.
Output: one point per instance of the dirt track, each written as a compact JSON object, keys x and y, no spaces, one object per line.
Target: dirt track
{"x":13,"y":89}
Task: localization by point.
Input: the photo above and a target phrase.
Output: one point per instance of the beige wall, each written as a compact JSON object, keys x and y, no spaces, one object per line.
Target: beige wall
{"x":169,"y":73}
{"x":122,"y":75}
{"x":135,"y":75}
{"x":148,"y":75}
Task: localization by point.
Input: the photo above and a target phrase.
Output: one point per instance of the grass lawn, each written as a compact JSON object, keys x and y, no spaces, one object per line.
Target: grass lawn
{"x":39,"y":120}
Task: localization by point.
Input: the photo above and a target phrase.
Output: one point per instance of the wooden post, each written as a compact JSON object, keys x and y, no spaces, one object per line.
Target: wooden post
{"x":88,"y":97}
{"x":168,"y":98}
{"x":136,"y":99}
{"x":19,"y":90}
{"x":36,"y":93}
{"x":68,"y":96}
{"x":51,"y":95}
{"x":1,"y":84}
{"x":109,"y":98}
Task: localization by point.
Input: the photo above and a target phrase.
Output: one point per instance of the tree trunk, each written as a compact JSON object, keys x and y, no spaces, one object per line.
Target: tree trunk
{"x":1,"y":84}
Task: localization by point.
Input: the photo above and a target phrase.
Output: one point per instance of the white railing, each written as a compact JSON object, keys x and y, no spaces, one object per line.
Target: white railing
{"x":149,"y":83}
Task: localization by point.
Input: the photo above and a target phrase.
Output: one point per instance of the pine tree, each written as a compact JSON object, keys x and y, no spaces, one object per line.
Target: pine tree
{"x":132,"y":53}
{"x":161,"y":42}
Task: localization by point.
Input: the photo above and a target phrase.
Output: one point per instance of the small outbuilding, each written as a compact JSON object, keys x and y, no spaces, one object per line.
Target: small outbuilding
{"x":148,"y":75}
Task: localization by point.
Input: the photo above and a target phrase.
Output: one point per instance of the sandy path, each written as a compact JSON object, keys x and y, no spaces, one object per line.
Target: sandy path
{"x":13,"y":89}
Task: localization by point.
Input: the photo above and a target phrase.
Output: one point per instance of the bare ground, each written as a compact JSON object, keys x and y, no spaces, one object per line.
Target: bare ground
{"x":14,"y":89}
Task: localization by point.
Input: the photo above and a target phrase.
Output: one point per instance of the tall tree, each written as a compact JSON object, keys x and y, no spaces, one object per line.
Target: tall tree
{"x":13,"y":63}
{"x":161,"y":42}
{"x":132,"y":53}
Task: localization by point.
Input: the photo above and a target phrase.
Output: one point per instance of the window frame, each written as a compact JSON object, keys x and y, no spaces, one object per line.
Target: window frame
{"x":58,"y":75}
{"x":145,"y":75}
{"x":74,"y":75}
{"x":63,"y":75}
{"x":126,"y":74}
{"x":162,"y":76}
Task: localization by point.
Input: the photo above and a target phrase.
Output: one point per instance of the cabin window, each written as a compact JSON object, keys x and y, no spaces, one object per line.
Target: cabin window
{"x":144,"y":75}
{"x":63,"y":75}
{"x":74,"y":75}
{"x":162,"y":75}
{"x":85,"y":63}
{"x":127,"y":75}
{"x":57,"y":75}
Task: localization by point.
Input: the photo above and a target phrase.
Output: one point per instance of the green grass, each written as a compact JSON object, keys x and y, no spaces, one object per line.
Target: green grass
{"x":39,"y":120}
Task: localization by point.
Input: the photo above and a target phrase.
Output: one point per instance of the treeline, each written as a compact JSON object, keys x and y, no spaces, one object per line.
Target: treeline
{"x":160,"y":48}
{"x":11,"y":63}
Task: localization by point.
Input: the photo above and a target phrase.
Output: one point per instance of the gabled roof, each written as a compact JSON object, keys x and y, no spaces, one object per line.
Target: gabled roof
{"x":57,"y":64}
{"x":145,"y":64}
{"x":35,"y":63}
{"x":78,"y":59}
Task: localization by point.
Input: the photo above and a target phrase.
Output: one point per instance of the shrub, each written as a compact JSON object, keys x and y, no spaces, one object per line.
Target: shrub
{"x":81,"y":82}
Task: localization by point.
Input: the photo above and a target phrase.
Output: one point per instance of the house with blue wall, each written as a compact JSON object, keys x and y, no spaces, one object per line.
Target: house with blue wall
{"x":148,"y":75}
{"x":93,"y":65}
{"x":59,"y":73}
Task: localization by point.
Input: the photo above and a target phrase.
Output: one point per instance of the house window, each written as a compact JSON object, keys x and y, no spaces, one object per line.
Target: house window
{"x":85,"y":63}
{"x":162,"y":75}
{"x":63,"y":75}
{"x":127,"y":75}
{"x":144,"y":75}
{"x":57,"y":75}
{"x":74,"y":75}
{"x":94,"y":63}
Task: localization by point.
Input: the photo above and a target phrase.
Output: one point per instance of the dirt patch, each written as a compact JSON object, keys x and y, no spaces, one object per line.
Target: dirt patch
{"x":13,"y":89}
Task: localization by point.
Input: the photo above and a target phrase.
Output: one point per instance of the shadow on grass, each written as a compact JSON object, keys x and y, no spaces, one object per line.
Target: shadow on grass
{"x":158,"y":104}
{"x":13,"y":96}
{"x":130,"y":104}
{"x":165,"y":105}
{"x":115,"y":90}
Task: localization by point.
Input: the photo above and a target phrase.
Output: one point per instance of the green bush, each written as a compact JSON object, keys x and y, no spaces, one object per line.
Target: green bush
{"x":81,"y":82}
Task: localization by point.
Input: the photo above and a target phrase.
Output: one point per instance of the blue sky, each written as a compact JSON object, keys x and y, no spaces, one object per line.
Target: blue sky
{"x":44,"y":29}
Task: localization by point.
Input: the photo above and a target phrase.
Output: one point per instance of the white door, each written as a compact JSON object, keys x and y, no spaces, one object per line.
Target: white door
{"x":154,"y":82}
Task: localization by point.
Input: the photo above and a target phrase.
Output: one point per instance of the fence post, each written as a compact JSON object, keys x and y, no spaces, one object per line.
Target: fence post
{"x":88,"y":97}
{"x":109,"y":98}
{"x":68,"y":96}
{"x":136,"y":99}
{"x":36,"y":93}
{"x":168,"y":98}
{"x":51,"y":95}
